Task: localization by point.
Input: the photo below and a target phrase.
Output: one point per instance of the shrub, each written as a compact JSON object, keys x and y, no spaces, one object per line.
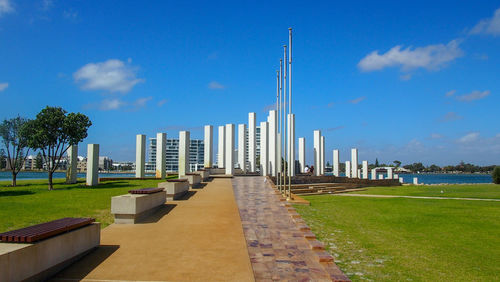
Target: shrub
{"x":496,"y":175}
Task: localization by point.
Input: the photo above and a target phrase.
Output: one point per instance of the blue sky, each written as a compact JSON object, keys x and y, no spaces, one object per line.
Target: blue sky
{"x":399,"y":81}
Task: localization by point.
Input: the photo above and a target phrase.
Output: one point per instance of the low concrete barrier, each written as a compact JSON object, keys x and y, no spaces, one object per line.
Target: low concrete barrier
{"x":175,"y":188}
{"x":43,"y":259}
{"x":194,"y":179}
{"x":203,"y":173}
{"x":131,"y":208}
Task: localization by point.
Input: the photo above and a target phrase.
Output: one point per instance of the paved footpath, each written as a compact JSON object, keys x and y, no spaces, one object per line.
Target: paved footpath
{"x":198,"y":239}
{"x":416,"y":197}
{"x":280,"y":245}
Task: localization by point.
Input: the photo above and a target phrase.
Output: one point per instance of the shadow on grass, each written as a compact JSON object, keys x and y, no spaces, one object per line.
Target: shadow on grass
{"x":158,"y":214}
{"x":15,"y":193}
{"x":81,"y":268}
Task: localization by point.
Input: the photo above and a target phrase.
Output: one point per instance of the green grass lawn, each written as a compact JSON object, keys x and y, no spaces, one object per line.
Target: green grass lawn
{"x":31,"y":203}
{"x":400,"y":239}
{"x":483,"y":191}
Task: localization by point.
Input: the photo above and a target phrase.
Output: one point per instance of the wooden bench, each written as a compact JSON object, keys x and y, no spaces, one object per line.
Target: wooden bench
{"x":175,"y":188}
{"x":193,"y":178}
{"x":38,"y":252}
{"x":145,"y":191}
{"x":137,"y":205}
{"x":45,"y":230}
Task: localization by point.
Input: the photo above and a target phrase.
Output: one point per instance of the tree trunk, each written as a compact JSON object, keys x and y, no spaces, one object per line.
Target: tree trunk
{"x":50,"y":180}
{"x":14,"y":177}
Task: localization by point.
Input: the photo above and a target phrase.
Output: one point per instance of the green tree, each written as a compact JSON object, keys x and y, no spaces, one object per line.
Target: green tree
{"x":496,"y":175}
{"x":15,"y":133}
{"x":39,"y":161}
{"x":54,"y":132}
{"x":376,"y":162}
{"x":397,"y":163}
{"x":3,"y":159}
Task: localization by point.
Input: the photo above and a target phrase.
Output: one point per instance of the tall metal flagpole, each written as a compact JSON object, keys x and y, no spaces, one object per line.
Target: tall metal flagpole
{"x":284,"y":115}
{"x":290,"y":164}
{"x":275,"y":168}
{"x":280,"y":124}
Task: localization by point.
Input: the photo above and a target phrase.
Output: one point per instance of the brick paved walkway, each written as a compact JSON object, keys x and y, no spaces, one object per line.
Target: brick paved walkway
{"x":280,"y":245}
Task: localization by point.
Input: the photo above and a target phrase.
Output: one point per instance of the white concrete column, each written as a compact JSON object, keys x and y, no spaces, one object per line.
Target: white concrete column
{"x":184,"y":141}
{"x":348,"y":169}
{"x":381,"y":176}
{"x":374,"y":174}
{"x":396,"y":176}
{"x":354,"y":162}
{"x":242,"y":158}
{"x":336,"y":163}
{"x":389,"y":173}
{"x":221,"y":149}
{"x":72,"y":166}
{"x":359,"y":173}
{"x":208,"y":146}
{"x":273,"y":142}
{"x":302,"y":154}
{"x":415,"y":180}
{"x":322,"y":148}
{"x":252,"y":120}
{"x":229,"y":149}
{"x":291,"y":144}
{"x":365,"y":169}
{"x":317,"y":152}
{"x":264,"y":156}
{"x":161,"y":148}
{"x":280,"y":154}
{"x":140,"y":155}
{"x":92,"y":164}
{"x":401,"y":180}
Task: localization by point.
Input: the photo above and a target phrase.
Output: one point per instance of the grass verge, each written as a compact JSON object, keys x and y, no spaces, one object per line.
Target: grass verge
{"x":482,"y":191}
{"x":31,"y":203}
{"x":400,"y":239}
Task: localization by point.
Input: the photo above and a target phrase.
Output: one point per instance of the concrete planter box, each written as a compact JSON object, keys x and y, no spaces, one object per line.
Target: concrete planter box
{"x":130,"y":208}
{"x":203,"y":173}
{"x":175,"y":188}
{"x":193,"y":178}
{"x":217,"y":171}
{"x":43,"y":259}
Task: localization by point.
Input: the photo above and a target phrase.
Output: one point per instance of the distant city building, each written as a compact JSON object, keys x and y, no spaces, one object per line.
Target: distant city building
{"x":123,"y":166}
{"x":196,"y":154}
{"x":81,"y":164}
{"x":105,"y":163}
{"x":257,"y":147}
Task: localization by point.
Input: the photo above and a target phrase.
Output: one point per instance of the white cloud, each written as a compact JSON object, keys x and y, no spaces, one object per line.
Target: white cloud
{"x":269,"y":108}
{"x":215,"y":85}
{"x":357,"y":100}
{"x":474,"y":95}
{"x":451,"y":116}
{"x":70,"y":15}
{"x":489,"y":26}
{"x":405,"y":77}
{"x":141,"y":102}
{"x":111,"y":75}
{"x":111,"y":104}
{"x":436,"y":136}
{"x":47,"y":4}
{"x":430,"y":57}
{"x":450,"y":93}
{"x":5,"y":7}
{"x":468,"y":138}
{"x":162,"y":102}
{"x":3,"y":86}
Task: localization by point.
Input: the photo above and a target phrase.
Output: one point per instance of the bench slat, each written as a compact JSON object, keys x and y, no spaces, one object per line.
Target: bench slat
{"x":146,"y":191}
{"x":44,"y":230}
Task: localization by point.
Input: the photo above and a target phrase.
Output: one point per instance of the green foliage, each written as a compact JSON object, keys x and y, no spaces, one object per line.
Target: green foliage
{"x":376,"y":162}
{"x":397,"y":163}
{"x":3,"y":159}
{"x":496,"y":175}
{"x":15,"y":134}
{"x":54,"y":132}
{"x":39,"y":161}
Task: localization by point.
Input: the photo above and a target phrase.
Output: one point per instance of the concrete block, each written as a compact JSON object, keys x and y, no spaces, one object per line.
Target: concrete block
{"x":252,"y":121}
{"x":204,"y":174}
{"x":365,"y":169}
{"x":131,"y":208}
{"x":208,"y":146}
{"x":92,"y":164}
{"x":354,"y":162}
{"x":336,"y":163}
{"x":72,"y":166}
{"x":317,"y":152}
{"x":322,"y":155}
{"x":291,"y":144}
{"x":43,"y":259}
{"x":242,"y":158}
{"x":229,"y":163}
{"x":140,"y":156}
{"x":415,"y":180}
{"x":264,"y":161}
{"x":194,"y":179}
{"x":273,"y":142}
{"x":161,"y":148}
{"x":175,"y":188}
{"x":221,"y":148}
{"x":184,"y":141}
{"x":348,"y":169}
